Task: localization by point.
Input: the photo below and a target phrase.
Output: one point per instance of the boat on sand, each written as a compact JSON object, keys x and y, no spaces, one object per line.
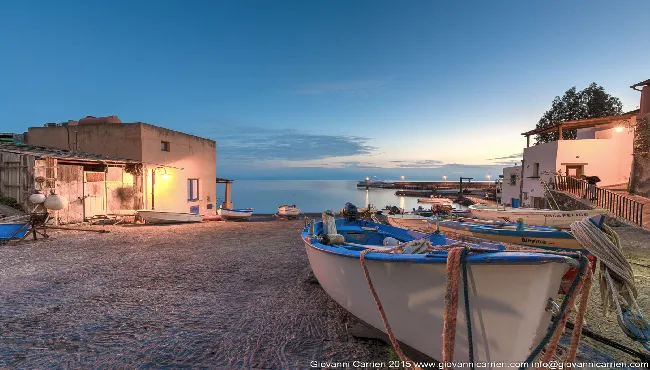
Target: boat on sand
{"x":534,"y":216}
{"x":288,"y":211}
{"x":508,"y":292}
{"x":235,"y":214}
{"x":162,"y":217}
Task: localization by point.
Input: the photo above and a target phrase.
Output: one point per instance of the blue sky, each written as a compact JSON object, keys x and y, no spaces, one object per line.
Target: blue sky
{"x":321,"y":89}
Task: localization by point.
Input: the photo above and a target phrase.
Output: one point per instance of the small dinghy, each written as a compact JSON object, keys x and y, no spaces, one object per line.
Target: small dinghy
{"x":534,"y":216}
{"x":288,"y":211}
{"x":235,"y":214}
{"x":161,"y":217}
{"x":508,"y":292}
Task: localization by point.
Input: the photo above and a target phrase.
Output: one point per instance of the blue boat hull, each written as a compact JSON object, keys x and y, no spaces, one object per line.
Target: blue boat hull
{"x":13,"y":231}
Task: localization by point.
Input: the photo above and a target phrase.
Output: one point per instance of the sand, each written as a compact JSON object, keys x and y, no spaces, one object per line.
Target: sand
{"x":211,"y":295}
{"x":217,"y":295}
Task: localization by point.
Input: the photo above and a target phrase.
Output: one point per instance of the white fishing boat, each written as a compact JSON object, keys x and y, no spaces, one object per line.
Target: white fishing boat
{"x":235,"y":214}
{"x":410,"y":221}
{"x":533,"y":216}
{"x":288,"y":211}
{"x":162,"y":217}
{"x":508,"y":292}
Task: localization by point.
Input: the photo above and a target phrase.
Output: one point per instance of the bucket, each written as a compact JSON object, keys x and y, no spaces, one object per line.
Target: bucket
{"x":515,"y":202}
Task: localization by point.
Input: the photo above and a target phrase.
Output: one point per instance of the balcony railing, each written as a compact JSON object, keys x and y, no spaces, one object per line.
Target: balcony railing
{"x":617,"y":204}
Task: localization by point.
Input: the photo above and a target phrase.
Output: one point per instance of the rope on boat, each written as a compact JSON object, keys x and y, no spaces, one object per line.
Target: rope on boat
{"x":382,"y":313}
{"x":616,"y":278}
{"x":552,"y":337}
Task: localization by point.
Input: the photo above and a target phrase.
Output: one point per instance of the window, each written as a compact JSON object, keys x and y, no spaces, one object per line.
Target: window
{"x":192,"y":189}
{"x":535,"y":169}
{"x":164,"y":146}
{"x":513,"y":179}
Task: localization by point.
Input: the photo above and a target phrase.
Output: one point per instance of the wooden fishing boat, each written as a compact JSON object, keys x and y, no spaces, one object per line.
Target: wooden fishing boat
{"x":235,"y":214}
{"x":161,"y":217}
{"x":288,"y":211}
{"x":534,"y":216}
{"x":534,"y":236}
{"x":435,"y":201}
{"x":410,"y":221}
{"x":11,"y":230}
{"x":508,"y":292}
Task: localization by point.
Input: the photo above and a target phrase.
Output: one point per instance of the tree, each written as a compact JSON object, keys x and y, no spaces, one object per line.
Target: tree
{"x":592,"y":102}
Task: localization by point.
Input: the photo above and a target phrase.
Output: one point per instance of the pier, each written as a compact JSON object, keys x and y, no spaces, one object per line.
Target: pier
{"x":430,"y":185}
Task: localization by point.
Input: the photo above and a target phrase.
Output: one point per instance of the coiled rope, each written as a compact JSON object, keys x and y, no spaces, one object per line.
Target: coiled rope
{"x":616,"y":278}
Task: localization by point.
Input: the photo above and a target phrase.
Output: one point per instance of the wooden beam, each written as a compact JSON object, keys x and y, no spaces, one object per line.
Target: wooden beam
{"x":527,"y":141}
{"x":560,"y":133}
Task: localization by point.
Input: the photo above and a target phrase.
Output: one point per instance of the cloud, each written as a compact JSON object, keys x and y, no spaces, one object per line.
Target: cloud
{"x":260,"y":144}
{"x":425,"y":163}
{"x":346,"y":87}
{"x":511,"y":156}
{"x":356,"y":164}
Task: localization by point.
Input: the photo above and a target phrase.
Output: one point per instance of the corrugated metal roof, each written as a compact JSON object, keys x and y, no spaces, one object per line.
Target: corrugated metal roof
{"x":39,"y":151}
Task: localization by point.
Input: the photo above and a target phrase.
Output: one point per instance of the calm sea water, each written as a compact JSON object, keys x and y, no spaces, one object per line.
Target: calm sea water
{"x":312,"y":196}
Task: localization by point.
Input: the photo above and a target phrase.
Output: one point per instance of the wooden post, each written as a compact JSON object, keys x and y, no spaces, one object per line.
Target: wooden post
{"x":560,"y":133}
{"x":527,"y":141}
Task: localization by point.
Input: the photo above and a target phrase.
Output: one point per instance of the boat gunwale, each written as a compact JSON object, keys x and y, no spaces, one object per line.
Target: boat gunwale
{"x":497,"y":257}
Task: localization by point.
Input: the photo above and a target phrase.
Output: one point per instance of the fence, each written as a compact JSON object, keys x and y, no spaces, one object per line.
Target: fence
{"x":618,"y":204}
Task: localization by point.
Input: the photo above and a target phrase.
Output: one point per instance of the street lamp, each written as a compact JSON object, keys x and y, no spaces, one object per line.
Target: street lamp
{"x":402,"y":178}
{"x":444,"y":177}
{"x":488,"y":177}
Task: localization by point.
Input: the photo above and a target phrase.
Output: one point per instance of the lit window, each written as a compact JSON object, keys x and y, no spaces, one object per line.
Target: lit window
{"x":164,"y":146}
{"x":192,"y":189}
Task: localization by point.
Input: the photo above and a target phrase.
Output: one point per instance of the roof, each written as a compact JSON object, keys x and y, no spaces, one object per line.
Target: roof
{"x":39,"y":151}
{"x":583,"y":123}
{"x":643,"y":83}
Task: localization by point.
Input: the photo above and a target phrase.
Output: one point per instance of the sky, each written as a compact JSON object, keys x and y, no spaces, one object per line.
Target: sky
{"x":321,"y":89}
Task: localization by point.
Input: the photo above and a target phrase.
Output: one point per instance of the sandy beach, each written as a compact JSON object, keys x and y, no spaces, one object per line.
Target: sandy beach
{"x":210,"y":295}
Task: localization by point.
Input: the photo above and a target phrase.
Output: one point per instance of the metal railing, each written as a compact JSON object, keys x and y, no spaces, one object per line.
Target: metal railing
{"x":618,"y":204}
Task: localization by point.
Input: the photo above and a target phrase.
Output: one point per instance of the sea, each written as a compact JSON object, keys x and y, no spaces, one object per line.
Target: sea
{"x":311,"y":196}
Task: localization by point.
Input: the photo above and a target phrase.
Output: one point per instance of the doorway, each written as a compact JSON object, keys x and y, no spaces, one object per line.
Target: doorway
{"x":94,"y":194}
{"x":575,"y":170}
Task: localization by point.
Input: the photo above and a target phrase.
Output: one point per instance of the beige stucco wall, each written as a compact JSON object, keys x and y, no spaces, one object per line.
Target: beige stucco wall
{"x":510,"y":191}
{"x":609,"y":159}
{"x":546,"y":155}
{"x":607,"y":154}
{"x":116,"y":140}
{"x":190,"y":157}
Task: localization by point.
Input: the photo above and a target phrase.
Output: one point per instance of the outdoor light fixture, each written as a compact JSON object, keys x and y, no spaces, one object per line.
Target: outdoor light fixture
{"x":619,"y":129}
{"x":165,"y":175}
{"x":367,"y":178}
{"x":402,"y":178}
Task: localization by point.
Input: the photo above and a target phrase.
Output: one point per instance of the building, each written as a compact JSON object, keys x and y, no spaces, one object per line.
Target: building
{"x":603,"y":148}
{"x":179,"y":170}
{"x":93,"y":184}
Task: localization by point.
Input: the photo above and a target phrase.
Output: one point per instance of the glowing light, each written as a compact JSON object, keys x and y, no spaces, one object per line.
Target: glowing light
{"x":367,"y":178}
{"x":444,"y":177}
{"x":165,"y":175}
{"x":488,"y":177}
{"x":619,"y":129}
{"x":402,"y":178}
